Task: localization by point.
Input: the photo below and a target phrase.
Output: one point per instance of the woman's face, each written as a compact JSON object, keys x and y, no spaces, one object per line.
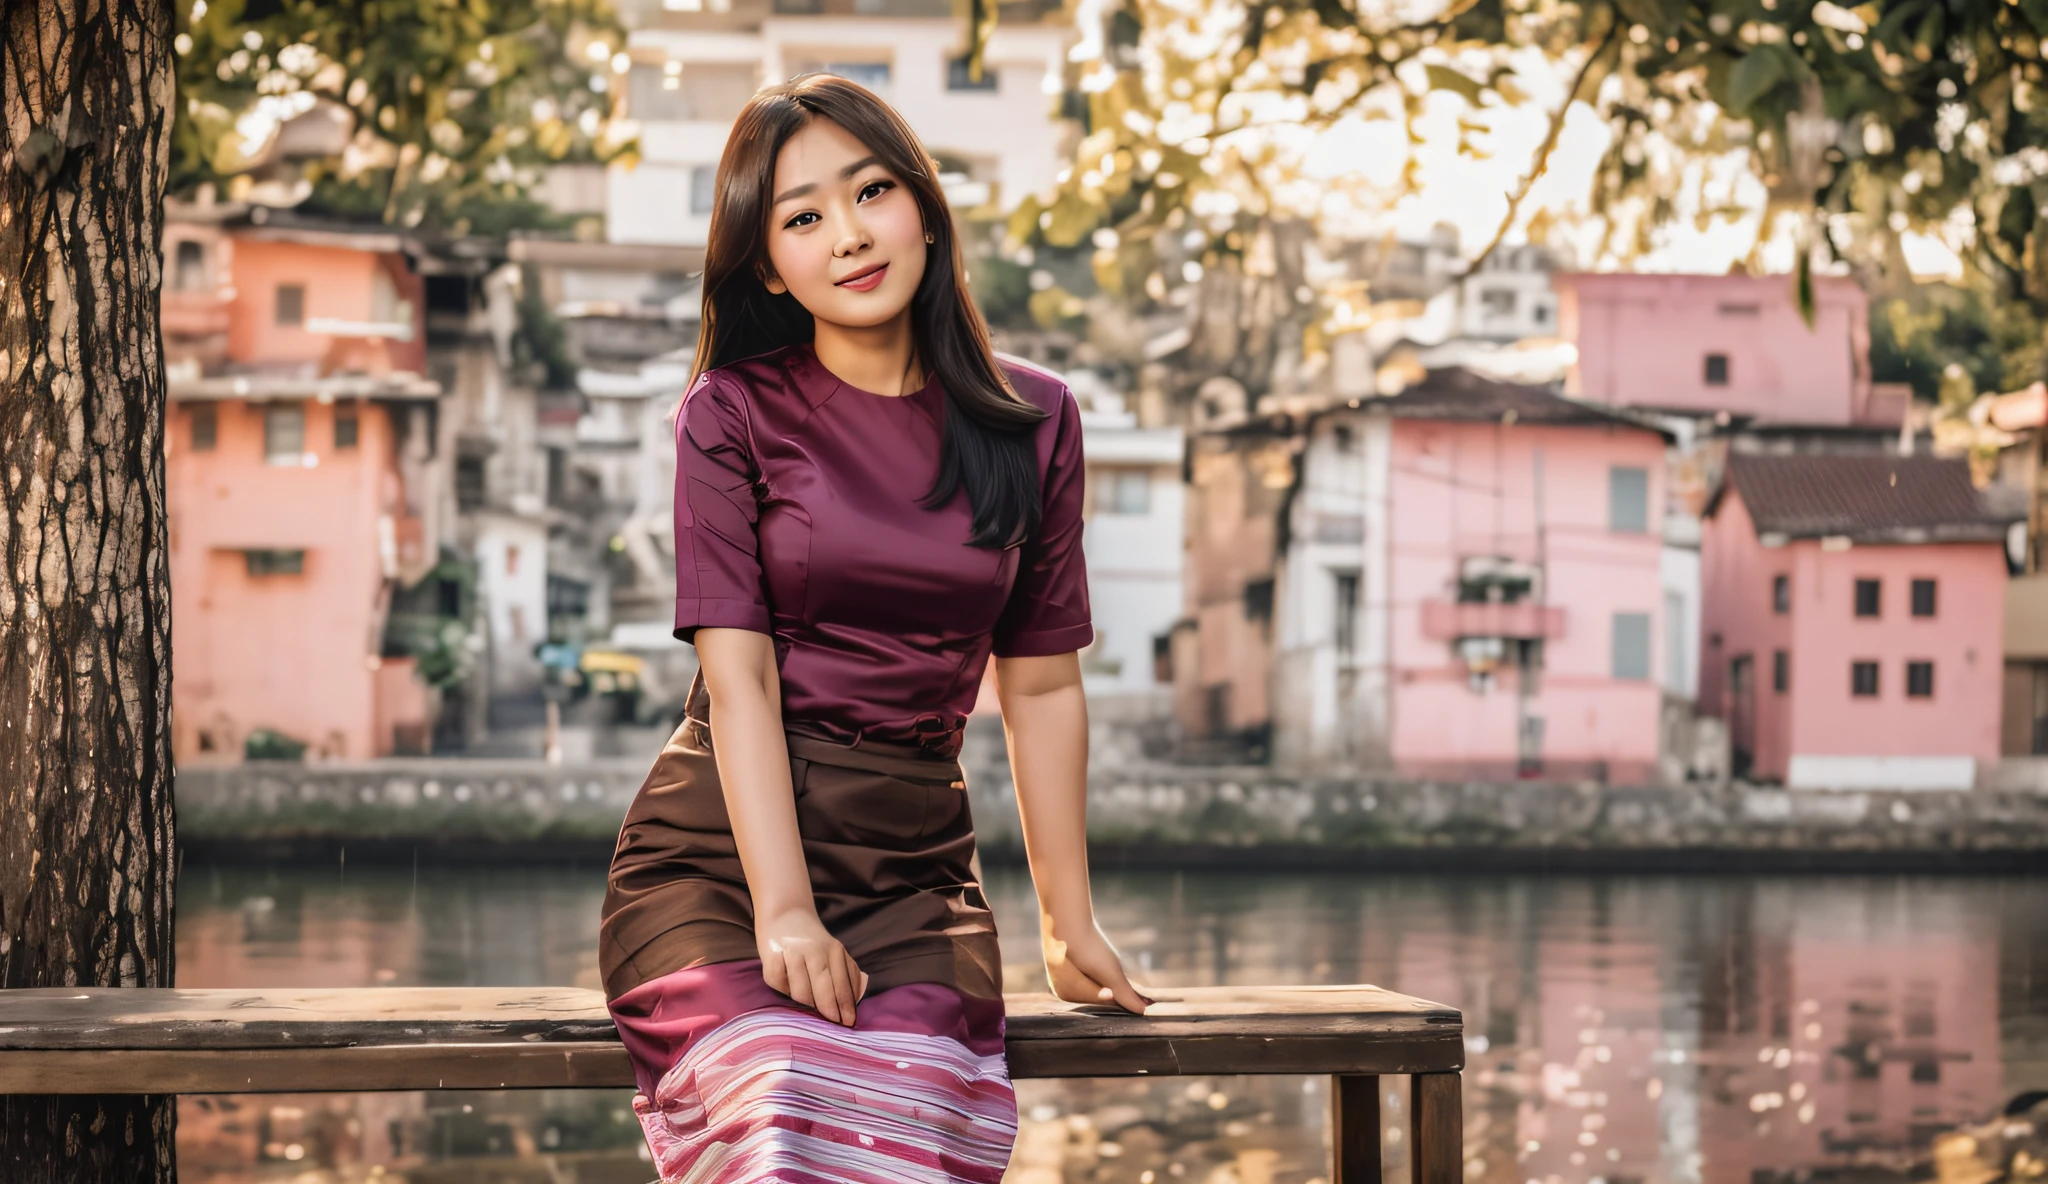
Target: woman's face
{"x":845,"y":236}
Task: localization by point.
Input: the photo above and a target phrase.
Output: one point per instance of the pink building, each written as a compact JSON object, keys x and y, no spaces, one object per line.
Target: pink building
{"x":1713,"y":343}
{"x":301,"y":474}
{"x":1853,"y":608}
{"x":1466,"y":584}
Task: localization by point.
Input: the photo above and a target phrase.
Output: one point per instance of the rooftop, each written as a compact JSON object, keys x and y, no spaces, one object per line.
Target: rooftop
{"x":1868,"y":498}
{"x":1457,"y":394}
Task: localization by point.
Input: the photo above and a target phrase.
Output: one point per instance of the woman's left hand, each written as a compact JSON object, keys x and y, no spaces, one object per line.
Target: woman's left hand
{"x":1084,"y":968}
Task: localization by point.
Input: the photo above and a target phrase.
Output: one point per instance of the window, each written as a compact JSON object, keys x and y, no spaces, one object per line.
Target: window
{"x":1628,"y":500}
{"x":703,"y":188}
{"x":1126,"y":491}
{"x":1497,"y":302}
{"x":1258,"y":600}
{"x":189,"y":275}
{"x":1632,"y":646}
{"x":1781,"y":594}
{"x":1867,"y":598}
{"x":284,"y":434}
{"x":469,"y":482}
{"x":958,"y":78}
{"x":1342,"y":437}
{"x":274,"y":562}
{"x":1347,"y":615}
{"x":347,"y":428}
{"x":291,"y":304}
{"x":205,"y":427}
{"x":1919,"y":680}
{"x":1923,"y":598}
{"x":1717,"y":370}
{"x":512,"y":560}
{"x":1781,"y":671}
{"x":873,"y":75}
{"x":1863,"y":679}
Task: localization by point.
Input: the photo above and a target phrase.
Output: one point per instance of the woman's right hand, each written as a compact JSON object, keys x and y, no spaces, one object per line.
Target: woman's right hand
{"x":805,"y":962}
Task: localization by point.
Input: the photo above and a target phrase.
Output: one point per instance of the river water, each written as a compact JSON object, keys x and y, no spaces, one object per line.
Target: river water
{"x":1619,"y":1029}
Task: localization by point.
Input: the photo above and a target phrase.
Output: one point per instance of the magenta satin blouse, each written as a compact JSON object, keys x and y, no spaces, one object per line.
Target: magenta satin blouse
{"x":797,"y":515}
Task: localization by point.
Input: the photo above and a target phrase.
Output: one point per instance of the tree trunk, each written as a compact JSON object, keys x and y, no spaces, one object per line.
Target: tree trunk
{"x":86,"y":829}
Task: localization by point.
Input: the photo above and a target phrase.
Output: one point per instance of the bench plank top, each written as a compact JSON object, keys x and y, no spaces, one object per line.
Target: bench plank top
{"x":129,"y":1040}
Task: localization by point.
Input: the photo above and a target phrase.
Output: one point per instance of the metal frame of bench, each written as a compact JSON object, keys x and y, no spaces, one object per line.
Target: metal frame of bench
{"x":99,"y":1040}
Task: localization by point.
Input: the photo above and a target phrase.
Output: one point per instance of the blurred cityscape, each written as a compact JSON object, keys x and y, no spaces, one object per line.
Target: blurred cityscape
{"x":1421,"y":528}
{"x":1518,"y":521}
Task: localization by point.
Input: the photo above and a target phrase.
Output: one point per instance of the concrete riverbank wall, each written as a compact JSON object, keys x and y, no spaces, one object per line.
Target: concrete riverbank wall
{"x":1159,"y":816}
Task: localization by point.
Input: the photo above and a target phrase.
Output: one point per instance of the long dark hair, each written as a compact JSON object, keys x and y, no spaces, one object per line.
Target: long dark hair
{"x":986,"y":445}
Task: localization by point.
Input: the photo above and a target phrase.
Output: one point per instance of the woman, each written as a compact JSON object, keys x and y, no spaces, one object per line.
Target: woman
{"x":868,"y":505}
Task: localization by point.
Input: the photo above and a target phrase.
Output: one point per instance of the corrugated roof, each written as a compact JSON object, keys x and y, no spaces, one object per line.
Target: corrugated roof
{"x":1867,"y":498}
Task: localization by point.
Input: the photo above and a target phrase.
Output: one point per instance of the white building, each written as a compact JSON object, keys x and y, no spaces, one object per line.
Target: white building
{"x":1136,"y":509}
{"x":996,"y":140}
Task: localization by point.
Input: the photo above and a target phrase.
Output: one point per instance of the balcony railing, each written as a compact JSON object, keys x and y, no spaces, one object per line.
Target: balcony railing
{"x":1444,"y":620}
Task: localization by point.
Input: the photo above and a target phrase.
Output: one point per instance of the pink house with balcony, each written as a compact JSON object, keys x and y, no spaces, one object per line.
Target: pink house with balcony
{"x":303,"y":483}
{"x":1854,"y":616}
{"x":1469,"y":586}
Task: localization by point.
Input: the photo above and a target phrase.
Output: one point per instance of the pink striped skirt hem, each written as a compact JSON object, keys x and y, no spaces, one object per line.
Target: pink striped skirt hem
{"x":739,"y":1086}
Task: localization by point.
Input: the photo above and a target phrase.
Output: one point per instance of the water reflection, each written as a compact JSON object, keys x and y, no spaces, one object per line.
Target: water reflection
{"x":1620,"y":1029}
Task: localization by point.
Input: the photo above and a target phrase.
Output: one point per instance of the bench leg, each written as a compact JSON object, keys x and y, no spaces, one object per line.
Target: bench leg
{"x":1355,"y":1129}
{"x":1438,"y":1106}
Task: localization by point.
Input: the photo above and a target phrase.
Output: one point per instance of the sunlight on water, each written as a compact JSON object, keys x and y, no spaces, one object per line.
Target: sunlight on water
{"x":1619,"y":1029}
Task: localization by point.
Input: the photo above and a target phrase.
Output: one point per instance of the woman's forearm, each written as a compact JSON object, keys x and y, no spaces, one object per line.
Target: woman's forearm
{"x":753,"y":767}
{"x":1045,"y":717}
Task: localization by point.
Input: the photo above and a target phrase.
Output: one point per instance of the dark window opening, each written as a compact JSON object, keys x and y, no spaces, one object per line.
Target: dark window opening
{"x":291,"y":304}
{"x":1919,"y":680}
{"x":190,"y":271}
{"x":1867,"y":598}
{"x":1717,"y":369}
{"x":1923,"y":598}
{"x":284,"y":434}
{"x":959,"y":78}
{"x":274,"y":562}
{"x":205,"y":427}
{"x":1863,"y":679}
{"x":447,"y":293}
{"x":1347,"y":616}
{"x":1781,"y":594}
{"x":1781,"y":671}
{"x":469,"y":482}
{"x":347,"y":428}
{"x":1216,"y":707}
{"x":1258,"y":600}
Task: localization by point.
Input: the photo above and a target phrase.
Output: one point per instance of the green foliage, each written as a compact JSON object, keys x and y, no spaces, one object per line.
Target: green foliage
{"x":543,"y":341}
{"x":1950,"y":342}
{"x":267,"y":744}
{"x":430,"y":622}
{"x":452,"y":106}
{"x":1861,"y":120}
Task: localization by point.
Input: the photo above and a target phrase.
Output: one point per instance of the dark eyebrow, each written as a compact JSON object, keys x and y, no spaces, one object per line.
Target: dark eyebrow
{"x":844,"y":174}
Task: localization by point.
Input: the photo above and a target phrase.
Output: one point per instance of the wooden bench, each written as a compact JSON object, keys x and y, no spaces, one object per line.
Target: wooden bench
{"x":132,"y":1041}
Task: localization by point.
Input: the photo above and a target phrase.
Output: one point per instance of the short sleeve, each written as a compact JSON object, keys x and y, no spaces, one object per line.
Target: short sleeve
{"x":718,"y":553}
{"x":1048,"y":608}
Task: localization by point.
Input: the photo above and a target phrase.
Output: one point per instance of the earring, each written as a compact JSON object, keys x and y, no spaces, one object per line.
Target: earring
{"x":928,"y":237}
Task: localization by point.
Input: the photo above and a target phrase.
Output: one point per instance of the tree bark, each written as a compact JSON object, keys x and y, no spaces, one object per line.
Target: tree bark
{"x":86,"y":827}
